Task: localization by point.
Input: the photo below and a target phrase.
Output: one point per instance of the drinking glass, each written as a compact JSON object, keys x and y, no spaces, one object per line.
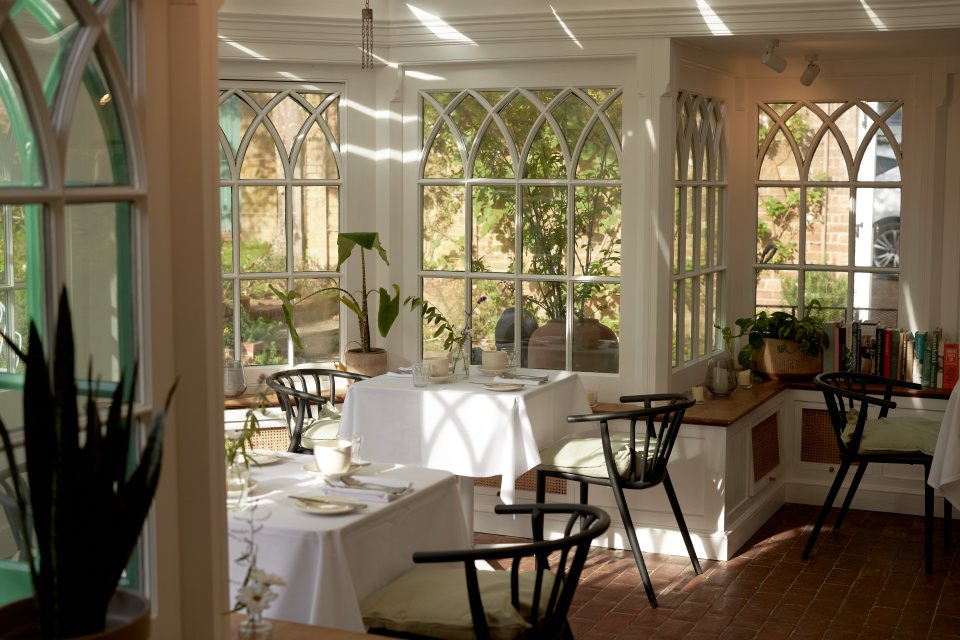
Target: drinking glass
{"x":421,"y":373}
{"x":513,"y":358}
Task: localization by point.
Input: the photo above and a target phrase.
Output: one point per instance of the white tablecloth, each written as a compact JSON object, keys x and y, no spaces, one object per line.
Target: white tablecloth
{"x":462,"y":427}
{"x":331,"y":563}
{"x":945,"y":470}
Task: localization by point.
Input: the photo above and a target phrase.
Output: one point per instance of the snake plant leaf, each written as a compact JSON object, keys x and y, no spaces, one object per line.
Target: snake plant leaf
{"x":389,"y":309}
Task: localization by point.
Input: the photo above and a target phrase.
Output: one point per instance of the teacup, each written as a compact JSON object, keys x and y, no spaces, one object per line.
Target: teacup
{"x":332,"y":456}
{"x":494,"y":360}
{"x":439,"y":367}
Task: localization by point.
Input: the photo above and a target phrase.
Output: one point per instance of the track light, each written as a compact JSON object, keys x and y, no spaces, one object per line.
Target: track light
{"x":810,"y":73}
{"x":771,"y":59}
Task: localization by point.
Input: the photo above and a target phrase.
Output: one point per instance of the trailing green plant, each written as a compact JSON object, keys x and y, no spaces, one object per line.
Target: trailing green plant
{"x":808,"y":332}
{"x":87,"y":510}
{"x":444,"y":328}
{"x":388,"y":305}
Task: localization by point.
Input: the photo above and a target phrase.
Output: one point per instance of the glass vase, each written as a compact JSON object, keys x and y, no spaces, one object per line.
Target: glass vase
{"x":460,"y":366}
{"x":721,"y":377}
{"x":238,"y":484}
{"x":255,"y":627}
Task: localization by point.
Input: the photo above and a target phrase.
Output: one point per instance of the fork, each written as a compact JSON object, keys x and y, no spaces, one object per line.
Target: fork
{"x":347,"y":481}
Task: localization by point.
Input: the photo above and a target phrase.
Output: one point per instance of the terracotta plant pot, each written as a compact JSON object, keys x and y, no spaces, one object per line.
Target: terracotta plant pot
{"x":782,"y":360}
{"x":372,"y":363}
{"x":128,"y":618}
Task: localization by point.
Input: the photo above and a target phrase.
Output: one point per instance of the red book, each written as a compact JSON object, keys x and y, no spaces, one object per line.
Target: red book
{"x":887,"y":347}
{"x":951,"y":364}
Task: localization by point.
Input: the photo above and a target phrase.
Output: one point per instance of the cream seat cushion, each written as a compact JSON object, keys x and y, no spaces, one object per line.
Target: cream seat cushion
{"x":432,"y":600}
{"x":584,"y":456}
{"x":326,"y":426}
{"x":896,"y":435}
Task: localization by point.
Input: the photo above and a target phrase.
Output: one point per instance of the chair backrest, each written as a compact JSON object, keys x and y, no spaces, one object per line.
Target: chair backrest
{"x":653,"y":432}
{"x":850,"y":395}
{"x":550,"y":601}
{"x":8,"y":504}
{"x":302,"y":393}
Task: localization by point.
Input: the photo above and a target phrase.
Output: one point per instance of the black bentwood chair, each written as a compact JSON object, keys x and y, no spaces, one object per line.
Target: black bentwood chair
{"x":455,"y":601}
{"x":862,"y":440}
{"x":634,"y":460}
{"x":309,"y":407}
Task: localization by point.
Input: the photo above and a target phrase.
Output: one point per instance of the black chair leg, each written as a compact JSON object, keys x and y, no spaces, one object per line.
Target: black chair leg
{"x":861,"y":469}
{"x":947,"y":524}
{"x":634,"y":544}
{"x":825,"y":509}
{"x":681,"y":523}
{"x":541,"y":487}
{"x":584,"y":499}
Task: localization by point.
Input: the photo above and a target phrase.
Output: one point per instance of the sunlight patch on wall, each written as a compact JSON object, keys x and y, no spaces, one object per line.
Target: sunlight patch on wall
{"x":874,"y":18}
{"x":242,"y":49}
{"x":565,"y":27}
{"x":712,"y":20}
{"x":438,"y":27}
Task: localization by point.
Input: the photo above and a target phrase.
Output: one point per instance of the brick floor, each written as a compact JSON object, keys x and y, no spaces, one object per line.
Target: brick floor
{"x":865,"y":581}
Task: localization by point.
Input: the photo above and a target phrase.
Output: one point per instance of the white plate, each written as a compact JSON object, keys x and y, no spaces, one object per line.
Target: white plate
{"x":325,"y":506}
{"x":264,"y":459}
{"x":503,"y":387}
{"x":312,"y":468}
{"x":439,"y":379}
{"x":491,"y":372}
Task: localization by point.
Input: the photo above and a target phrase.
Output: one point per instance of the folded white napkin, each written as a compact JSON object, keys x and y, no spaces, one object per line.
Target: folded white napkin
{"x":370,"y":488}
{"x":401,"y":372}
{"x":527,"y":382}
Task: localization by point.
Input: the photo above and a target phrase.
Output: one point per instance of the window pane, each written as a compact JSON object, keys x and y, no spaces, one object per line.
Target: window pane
{"x":226,"y":230}
{"x":679,"y":195}
{"x":262,"y":159}
{"x":263,"y":336}
{"x":700,"y":292}
{"x":545,"y":158}
{"x":92,"y":255}
{"x":875,"y":297}
{"x":468,"y":116}
{"x":598,"y":158}
{"x":263,"y":244}
{"x":493,"y":318}
{"x":595,"y":336}
{"x":316,"y":161}
{"x":288,"y":118}
{"x":315,"y":213}
{"x":776,"y":289}
{"x":597,"y":231}
{"x":19,"y":159}
{"x":830,"y":289}
{"x":229,"y":336}
{"x":48,"y":29}
{"x":447,"y":295}
{"x":318,"y":321}
{"x":494,"y":229}
{"x":878,"y":221}
{"x":547,"y":347}
{"x":780,"y":162}
{"x":96,"y":151}
{"x":235,"y":118}
{"x":443,"y":228}
{"x":545,"y":230}
{"x":778,"y":225}
{"x":493,"y":156}
{"x":689,"y":287}
{"x":828,"y":226}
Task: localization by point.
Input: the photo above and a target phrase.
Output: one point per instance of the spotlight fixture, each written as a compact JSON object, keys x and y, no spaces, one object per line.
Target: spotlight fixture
{"x":810,"y":73}
{"x":771,"y":59}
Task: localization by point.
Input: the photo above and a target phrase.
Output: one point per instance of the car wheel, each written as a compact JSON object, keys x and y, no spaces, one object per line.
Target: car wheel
{"x":886,"y":243}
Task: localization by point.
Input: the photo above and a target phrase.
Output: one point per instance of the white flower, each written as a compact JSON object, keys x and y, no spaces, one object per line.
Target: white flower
{"x":267,"y":578}
{"x":255,"y":596}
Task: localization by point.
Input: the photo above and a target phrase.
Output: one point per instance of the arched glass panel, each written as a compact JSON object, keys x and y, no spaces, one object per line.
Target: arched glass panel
{"x":262,"y":159}
{"x":288,"y":118}
{"x":468,"y":115}
{"x":48,"y":29}
{"x":96,"y":151}
{"x":444,"y":160}
{"x":316,"y":157}
{"x":19,"y":161}
{"x":572,"y":114}
{"x":545,"y":158}
{"x":598,"y":157}
{"x":493,"y":157}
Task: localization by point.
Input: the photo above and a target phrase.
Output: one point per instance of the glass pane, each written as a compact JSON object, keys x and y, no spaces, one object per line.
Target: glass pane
{"x":262,"y":97}
{"x":263,"y":335}
{"x":674,"y":352}
{"x":317,"y":321}
{"x":598,"y":159}
{"x":316,"y":161}
{"x":92,"y":256}
{"x":830,"y":289}
{"x":447,"y":295}
{"x":700,"y":289}
{"x":235,"y":118}
{"x":226,"y":171}
{"x":779,"y":162}
{"x":331,"y":115}
{"x":876,"y":297}
{"x":430,"y":116}
{"x":493,"y":316}
{"x":853,"y":123}
{"x":705,"y":221}
{"x":895,"y":122}
{"x":96,"y":151}
{"x":494,"y":229}
{"x":595,"y":343}
{"x":14,"y":322}
{"x":262,"y":158}
{"x":226,"y":230}
{"x":18,"y":219}
{"x":493,"y":156}
{"x":443,"y":159}
{"x":545,"y":158}
{"x":776,"y":290}
{"x":544,"y":232}
{"x":599,"y":95}
{"x":715,"y":285}
{"x":444,"y":245}
{"x":19,"y":160}
{"x":679,"y":195}
{"x":263,"y":241}
{"x":572,"y":114}
{"x":689,"y":226}
{"x":119,"y":33}
{"x":688,"y":322}
{"x":444,"y":97}
{"x":229,"y":332}
{"x":48,"y":29}
{"x":828,"y":163}
{"x":803,"y":125}
{"x":547,"y":303}
{"x":519,"y":116}
{"x":315,"y":213}
{"x":828,"y":226}
{"x":468,"y":116}
{"x":720,"y":218}
{"x":879,"y":161}
{"x":878,"y":224}
{"x":493,"y":97}
{"x":597,"y":231}
{"x":546,"y":96}
{"x":314,"y":98}
{"x":778,"y":225}
{"x":288,"y":117}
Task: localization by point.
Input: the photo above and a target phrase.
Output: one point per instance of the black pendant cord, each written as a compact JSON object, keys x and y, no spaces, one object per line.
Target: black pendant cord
{"x":366,"y":49}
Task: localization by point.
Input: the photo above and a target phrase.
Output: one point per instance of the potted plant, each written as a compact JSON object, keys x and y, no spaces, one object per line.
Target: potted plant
{"x":85,"y":511}
{"x":365,"y":359}
{"x":780,"y":345}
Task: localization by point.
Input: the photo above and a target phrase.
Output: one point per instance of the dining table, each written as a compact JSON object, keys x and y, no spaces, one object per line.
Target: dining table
{"x":945,"y":469}
{"x":331,"y":561}
{"x":471,"y":427}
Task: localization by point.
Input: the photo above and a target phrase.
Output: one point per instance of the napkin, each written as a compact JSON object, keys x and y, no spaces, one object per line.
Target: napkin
{"x":401,"y":372}
{"x":372,"y":492}
{"x":527,"y":382}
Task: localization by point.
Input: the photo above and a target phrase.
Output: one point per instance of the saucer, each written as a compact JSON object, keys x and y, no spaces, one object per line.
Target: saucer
{"x":502,"y":386}
{"x":439,"y":379}
{"x":312,"y":468}
{"x":323,"y":506}
{"x":491,"y":372}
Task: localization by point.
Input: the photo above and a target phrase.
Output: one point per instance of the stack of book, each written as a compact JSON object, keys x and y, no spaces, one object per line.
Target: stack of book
{"x":923,"y":357}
